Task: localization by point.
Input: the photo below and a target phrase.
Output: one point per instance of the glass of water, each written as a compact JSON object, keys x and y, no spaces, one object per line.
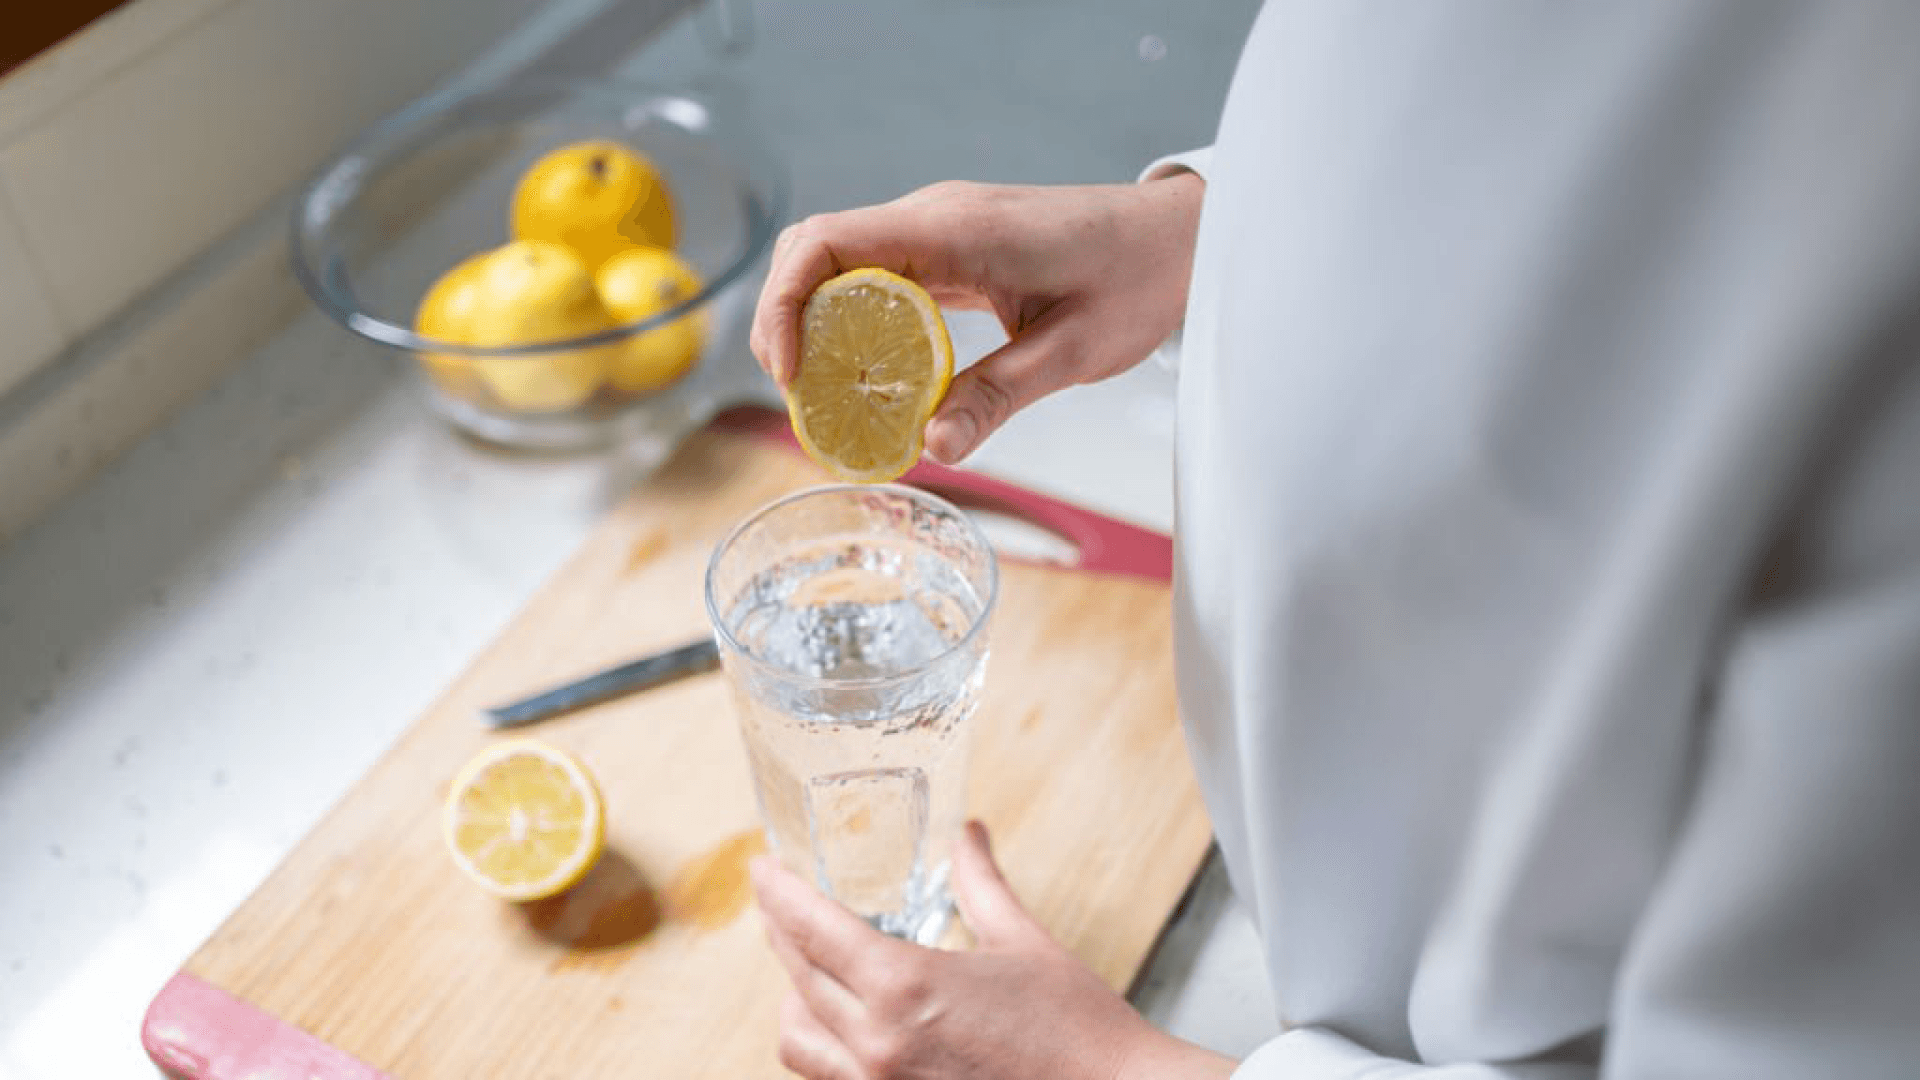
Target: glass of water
{"x":852,"y":623}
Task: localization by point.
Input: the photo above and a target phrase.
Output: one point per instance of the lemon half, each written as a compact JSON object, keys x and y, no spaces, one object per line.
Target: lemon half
{"x":875,"y":360}
{"x":525,"y":820}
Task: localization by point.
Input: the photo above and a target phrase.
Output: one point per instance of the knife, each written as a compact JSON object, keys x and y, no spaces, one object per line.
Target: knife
{"x":629,"y":678}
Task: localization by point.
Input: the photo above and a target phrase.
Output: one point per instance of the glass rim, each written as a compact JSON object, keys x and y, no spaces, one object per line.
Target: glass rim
{"x":725,"y":636}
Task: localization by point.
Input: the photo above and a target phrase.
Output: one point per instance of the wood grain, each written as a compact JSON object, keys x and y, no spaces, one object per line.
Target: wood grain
{"x":367,"y":937}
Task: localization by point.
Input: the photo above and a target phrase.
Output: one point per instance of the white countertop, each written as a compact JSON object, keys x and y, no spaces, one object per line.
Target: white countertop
{"x":200,"y":652}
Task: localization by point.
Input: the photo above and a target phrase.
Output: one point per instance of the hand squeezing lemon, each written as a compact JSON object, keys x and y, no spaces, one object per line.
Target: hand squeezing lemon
{"x":875,"y":360}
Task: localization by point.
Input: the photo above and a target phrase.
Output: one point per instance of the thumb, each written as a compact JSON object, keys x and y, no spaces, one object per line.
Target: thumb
{"x":1042,"y":359}
{"x":986,"y":901}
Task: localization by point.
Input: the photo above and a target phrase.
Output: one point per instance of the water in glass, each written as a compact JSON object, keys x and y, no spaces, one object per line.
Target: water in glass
{"x":857,"y":658}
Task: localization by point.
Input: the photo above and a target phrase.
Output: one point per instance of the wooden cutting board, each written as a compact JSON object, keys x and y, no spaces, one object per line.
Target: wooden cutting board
{"x":366,"y":954}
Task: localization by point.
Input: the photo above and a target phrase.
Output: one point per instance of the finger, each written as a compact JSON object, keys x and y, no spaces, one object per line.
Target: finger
{"x":829,"y":1001}
{"x":784,"y":241}
{"x":808,"y":1048}
{"x":1038,"y":362}
{"x":807,"y":259}
{"x":827,"y":935}
{"x":958,"y":297}
{"x":756,"y":334}
{"x":986,"y":900}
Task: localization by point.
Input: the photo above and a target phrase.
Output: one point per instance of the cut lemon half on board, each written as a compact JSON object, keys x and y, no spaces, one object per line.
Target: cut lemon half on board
{"x":875,"y":361}
{"x":524,"y":820}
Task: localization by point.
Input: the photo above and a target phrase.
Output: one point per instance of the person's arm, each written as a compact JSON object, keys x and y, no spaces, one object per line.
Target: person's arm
{"x":1086,"y":281}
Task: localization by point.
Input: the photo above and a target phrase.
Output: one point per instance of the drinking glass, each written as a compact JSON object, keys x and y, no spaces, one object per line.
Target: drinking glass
{"x":852,"y":624}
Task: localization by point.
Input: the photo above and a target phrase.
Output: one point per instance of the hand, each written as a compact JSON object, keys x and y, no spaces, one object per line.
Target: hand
{"x":869,"y":1007}
{"x":1087,"y":281}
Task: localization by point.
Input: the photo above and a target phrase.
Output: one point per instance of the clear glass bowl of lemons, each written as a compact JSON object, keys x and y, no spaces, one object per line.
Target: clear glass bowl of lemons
{"x":556,"y":257}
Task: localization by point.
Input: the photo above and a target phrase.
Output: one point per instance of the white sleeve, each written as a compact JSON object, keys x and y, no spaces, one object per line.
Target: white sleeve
{"x":1197,"y":162}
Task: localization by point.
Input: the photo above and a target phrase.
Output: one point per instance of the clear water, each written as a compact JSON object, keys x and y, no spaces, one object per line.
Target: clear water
{"x":861,"y":773}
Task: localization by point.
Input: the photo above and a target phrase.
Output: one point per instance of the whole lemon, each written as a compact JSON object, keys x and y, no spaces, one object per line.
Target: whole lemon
{"x":640,"y":283}
{"x":530,"y":291}
{"x":446,"y":315}
{"x":597,"y":197}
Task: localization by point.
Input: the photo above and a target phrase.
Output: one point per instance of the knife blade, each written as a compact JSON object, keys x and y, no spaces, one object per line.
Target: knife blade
{"x":630,"y":678}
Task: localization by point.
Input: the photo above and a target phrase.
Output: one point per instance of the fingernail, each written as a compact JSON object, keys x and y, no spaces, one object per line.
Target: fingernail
{"x":951,"y":436}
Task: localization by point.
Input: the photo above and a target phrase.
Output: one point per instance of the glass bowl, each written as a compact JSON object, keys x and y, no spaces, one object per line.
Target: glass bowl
{"x":433,"y":184}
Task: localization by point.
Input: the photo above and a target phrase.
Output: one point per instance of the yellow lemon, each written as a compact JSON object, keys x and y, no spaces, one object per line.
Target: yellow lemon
{"x":445,"y":315}
{"x":525,"y":820}
{"x":640,"y":283}
{"x":875,"y":360}
{"x":531,"y":292}
{"x":598,"y":197}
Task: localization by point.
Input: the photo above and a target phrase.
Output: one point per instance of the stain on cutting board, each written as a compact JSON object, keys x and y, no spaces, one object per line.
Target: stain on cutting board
{"x":647,"y":547}
{"x":615,"y":910}
{"x":713,"y":889}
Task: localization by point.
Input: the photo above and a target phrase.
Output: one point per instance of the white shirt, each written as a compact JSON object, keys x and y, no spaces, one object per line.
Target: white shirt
{"x":1549,"y":535}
